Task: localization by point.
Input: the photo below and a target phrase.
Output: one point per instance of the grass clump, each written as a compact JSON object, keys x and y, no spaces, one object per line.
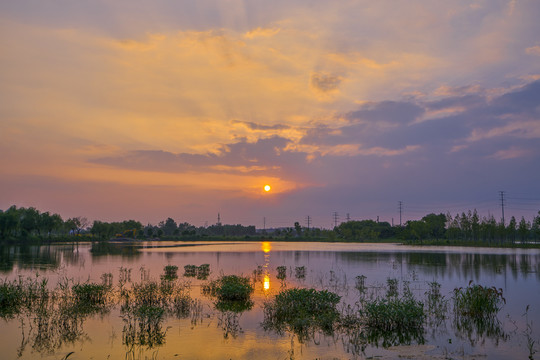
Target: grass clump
{"x":302,"y":311}
{"x":10,"y":298}
{"x":230,"y":288}
{"x":475,"y":312}
{"x":90,"y":294}
{"x":170,"y":272}
{"x":281,"y":272}
{"x":201,"y":272}
{"x":477,"y":301}
{"x":233,"y":293}
{"x":394,"y":314}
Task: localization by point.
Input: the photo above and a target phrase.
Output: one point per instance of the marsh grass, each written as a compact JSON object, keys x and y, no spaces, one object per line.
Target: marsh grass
{"x":300,"y":272}
{"x":230,"y":288}
{"x":170,"y":272}
{"x":201,"y":272}
{"x":478,"y":302}
{"x":281,"y":273}
{"x":302,"y":311}
{"x":475,"y":312}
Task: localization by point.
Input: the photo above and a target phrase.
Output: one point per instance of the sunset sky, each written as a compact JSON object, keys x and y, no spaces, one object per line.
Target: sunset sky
{"x":144,"y":110}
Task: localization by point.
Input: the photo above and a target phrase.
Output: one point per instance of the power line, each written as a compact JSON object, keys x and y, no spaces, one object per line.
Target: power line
{"x":502,"y":205}
{"x":400,"y":204}
{"x":336,"y":217}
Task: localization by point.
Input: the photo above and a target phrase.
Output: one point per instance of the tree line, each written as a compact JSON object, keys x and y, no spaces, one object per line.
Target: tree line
{"x":31,"y":224}
{"x":467,"y":227}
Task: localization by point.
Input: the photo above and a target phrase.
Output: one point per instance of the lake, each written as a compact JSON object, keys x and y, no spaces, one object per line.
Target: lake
{"x":206,"y":332}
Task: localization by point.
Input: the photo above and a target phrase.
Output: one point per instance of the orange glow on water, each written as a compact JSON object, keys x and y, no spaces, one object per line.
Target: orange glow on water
{"x":266,"y":282}
{"x":266,"y":247}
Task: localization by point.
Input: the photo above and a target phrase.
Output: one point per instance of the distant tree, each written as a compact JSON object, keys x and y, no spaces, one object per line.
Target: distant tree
{"x":511,"y":229}
{"x":298,"y":228}
{"x":523,"y":229}
{"x":9,"y":222}
{"x":435,"y":225}
{"x":535,"y":227}
{"x":168,"y":226}
{"x":29,"y":220}
{"x":475,"y":226}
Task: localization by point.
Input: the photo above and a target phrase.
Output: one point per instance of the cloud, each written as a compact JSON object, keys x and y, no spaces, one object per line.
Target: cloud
{"x":255,"y":126}
{"x":261,"y":32}
{"x":511,"y":153}
{"x":387,"y":112}
{"x":533,"y":50}
{"x":325,"y":82}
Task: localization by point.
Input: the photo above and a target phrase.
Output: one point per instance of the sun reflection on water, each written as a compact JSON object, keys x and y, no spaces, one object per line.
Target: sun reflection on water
{"x":266,"y":247}
{"x":266,"y":283}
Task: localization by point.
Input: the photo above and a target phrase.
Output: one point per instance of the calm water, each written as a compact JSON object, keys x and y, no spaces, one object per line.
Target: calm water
{"x":219,"y":335}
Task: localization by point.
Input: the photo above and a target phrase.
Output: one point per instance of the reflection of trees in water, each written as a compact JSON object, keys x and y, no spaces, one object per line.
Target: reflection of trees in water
{"x":461,"y":265}
{"x":103,"y":248}
{"x":29,"y":257}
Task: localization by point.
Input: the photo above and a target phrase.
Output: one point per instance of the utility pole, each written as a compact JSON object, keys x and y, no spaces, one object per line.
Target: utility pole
{"x":308,"y":220}
{"x":348,"y":217}
{"x":218,"y":219}
{"x":336,"y":217}
{"x":400,"y":204}
{"x":501,"y":193}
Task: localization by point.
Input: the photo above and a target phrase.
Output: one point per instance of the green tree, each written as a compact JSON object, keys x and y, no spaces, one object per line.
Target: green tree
{"x":168,"y":226}
{"x":523,"y":229}
{"x":298,"y":228}
{"x":511,"y":229}
{"x":435,"y":225}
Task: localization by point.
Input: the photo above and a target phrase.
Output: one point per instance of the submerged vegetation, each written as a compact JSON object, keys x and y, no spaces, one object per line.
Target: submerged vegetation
{"x":383,"y":315}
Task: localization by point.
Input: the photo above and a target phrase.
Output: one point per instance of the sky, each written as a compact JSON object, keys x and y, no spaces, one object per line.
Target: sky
{"x":145,"y":110}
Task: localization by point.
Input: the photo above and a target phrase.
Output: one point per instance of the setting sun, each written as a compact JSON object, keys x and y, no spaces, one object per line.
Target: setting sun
{"x":267,"y":188}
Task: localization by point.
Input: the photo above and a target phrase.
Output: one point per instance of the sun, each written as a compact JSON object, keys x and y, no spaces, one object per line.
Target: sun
{"x":267,"y":188}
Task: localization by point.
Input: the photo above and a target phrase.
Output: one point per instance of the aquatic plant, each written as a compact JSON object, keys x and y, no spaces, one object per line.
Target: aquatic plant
{"x":90,"y":294}
{"x":393,"y":320}
{"x":475,"y":312}
{"x":477,"y":301}
{"x":143,"y":327}
{"x":10,"y":298}
{"x":436,"y":304}
{"x":230,"y":288}
{"x":170,"y":272}
{"x":302,"y":311}
{"x":233,"y":293}
{"x":190,"y":270}
{"x":300,"y":272}
{"x":393,"y":314}
{"x":360,"y":283}
{"x":203,"y":271}
{"x":282,"y":272}
{"x":392,"y":290}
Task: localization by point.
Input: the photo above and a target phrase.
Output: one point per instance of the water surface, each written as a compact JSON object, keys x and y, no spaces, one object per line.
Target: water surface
{"x":222,"y":335}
